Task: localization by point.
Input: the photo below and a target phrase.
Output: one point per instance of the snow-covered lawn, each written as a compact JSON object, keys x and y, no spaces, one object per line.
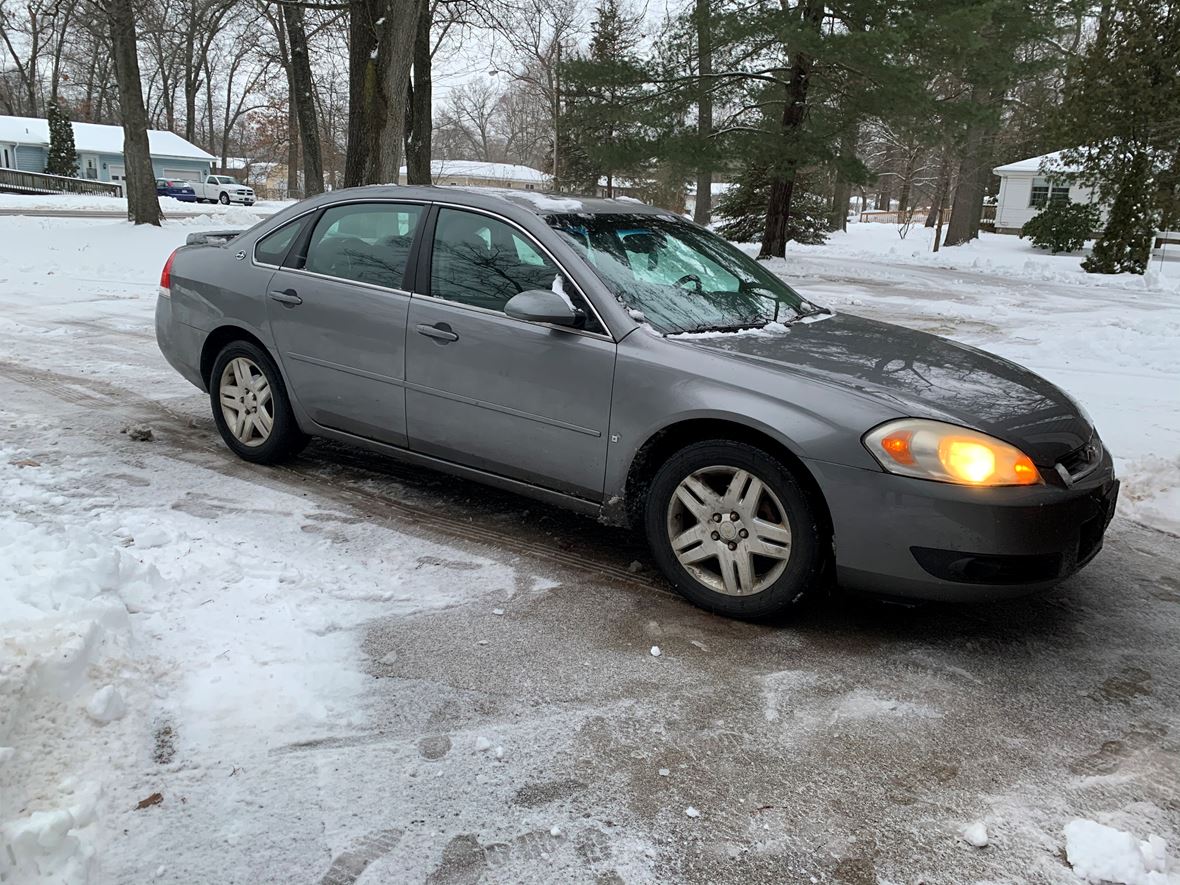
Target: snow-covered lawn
{"x":239,"y":215}
{"x":176,"y":628}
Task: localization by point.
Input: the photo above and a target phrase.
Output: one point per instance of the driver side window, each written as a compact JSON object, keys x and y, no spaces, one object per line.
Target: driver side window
{"x":483,"y":262}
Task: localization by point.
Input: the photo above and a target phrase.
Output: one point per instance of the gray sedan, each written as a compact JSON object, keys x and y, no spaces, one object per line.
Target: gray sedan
{"x":616,"y":360}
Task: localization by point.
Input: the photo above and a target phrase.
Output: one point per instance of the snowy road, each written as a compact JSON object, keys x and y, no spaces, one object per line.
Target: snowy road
{"x":346,"y":670}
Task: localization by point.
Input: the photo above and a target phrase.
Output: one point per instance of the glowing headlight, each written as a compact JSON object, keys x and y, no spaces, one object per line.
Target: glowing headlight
{"x":948,"y":453}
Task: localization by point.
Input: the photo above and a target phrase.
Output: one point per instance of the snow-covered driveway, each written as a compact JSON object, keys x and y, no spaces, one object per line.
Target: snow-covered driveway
{"x":346,"y":670}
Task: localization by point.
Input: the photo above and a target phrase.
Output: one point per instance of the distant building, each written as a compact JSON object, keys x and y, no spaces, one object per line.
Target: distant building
{"x":1025,"y":190}
{"x":475,"y":173}
{"x":24,"y":145}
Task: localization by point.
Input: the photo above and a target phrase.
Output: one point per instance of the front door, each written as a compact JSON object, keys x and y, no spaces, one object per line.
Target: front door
{"x":520,"y":399}
{"x":90,"y":167}
{"x":337,"y":311}
{"x":7,"y":156}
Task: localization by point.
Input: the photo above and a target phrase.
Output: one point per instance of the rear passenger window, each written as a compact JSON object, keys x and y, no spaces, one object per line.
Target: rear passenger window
{"x":366,"y":242}
{"x":272,"y":248}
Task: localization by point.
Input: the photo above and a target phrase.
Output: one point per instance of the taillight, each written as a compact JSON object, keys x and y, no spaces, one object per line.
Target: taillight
{"x":166,"y":276}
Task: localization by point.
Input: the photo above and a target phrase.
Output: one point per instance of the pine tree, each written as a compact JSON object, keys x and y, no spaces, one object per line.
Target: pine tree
{"x":605,"y":94}
{"x":63,"y":156}
{"x":1122,"y":104}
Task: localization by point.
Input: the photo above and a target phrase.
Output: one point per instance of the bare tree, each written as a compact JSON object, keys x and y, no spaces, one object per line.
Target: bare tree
{"x":534,"y":32}
{"x":143,"y":206}
{"x":303,"y":98}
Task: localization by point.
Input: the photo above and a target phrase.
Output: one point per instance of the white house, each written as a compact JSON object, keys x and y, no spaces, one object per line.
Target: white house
{"x":1025,"y":189}
{"x":24,"y":145}
{"x":475,"y":173}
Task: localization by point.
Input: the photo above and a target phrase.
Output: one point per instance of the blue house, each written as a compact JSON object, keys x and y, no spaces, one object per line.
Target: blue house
{"x":24,"y":145}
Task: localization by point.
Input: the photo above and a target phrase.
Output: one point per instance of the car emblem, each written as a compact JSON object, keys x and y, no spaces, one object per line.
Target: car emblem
{"x":241,"y":254}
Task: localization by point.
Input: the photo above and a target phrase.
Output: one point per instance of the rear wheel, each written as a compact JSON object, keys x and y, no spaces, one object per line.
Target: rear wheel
{"x":733,"y":530}
{"x":250,"y":405}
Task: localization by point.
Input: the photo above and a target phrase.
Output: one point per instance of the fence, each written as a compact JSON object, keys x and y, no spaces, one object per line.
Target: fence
{"x":17,"y":182}
{"x":895,"y":216}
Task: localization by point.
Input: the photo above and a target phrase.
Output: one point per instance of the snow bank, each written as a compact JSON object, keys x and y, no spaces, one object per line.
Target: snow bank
{"x":1100,"y":853}
{"x":64,"y":651}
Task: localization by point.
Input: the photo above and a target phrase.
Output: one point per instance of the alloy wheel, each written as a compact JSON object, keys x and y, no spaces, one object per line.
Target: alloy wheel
{"x":729,"y":530}
{"x":246,"y":402}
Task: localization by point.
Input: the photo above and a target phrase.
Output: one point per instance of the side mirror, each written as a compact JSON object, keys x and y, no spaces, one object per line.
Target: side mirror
{"x":542,"y":306}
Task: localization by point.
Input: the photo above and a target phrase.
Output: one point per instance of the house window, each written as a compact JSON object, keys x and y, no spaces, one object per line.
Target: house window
{"x":1044,"y":193}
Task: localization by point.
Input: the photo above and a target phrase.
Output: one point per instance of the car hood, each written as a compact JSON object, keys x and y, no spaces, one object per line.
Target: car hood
{"x":924,"y":376}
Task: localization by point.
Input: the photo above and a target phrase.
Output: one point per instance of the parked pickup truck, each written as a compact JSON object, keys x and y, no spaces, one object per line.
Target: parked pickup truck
{"x":223,"y":189}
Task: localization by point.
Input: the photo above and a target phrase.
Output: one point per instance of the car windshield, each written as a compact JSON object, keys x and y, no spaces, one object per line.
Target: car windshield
{"x":679,"y":276}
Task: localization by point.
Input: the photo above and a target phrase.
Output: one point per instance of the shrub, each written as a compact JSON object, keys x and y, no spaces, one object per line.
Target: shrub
{"x":743,"y":210}
{"x":1061,"y":227}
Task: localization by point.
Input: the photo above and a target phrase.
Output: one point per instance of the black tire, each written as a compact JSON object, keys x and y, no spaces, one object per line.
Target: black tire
{"x":804,"y":569}
{"x":223,"y":199}
{"x":285,"y":438}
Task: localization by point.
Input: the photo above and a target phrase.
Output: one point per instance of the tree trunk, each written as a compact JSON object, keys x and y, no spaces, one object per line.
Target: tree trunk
{"x":702,"y":212}
{"x":304,"y":101}
{"x":907,"y":184}
{"x":363,"y":76}
{"x":192,"y":84}
{"x":143,"y":206}
{"x":842,"y":191}
{"x":419,"y":124}
{"x":782,"y":184}
{"x":398,"y":35}
{"x":382,"y":34}
{"x":968,"y":202}
{"x":940,"y":190}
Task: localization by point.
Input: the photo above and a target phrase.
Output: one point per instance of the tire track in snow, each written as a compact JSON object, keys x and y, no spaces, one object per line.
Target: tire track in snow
{"x":205,"y":450}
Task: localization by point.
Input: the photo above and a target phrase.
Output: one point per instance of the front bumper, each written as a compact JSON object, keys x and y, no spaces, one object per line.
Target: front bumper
{"x":917,"y":539}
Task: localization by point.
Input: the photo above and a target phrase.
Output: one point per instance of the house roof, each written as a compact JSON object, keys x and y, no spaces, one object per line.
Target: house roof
{"x":1033,"y":165}
{"x":98,"y":138}
{"x":479,"y":169}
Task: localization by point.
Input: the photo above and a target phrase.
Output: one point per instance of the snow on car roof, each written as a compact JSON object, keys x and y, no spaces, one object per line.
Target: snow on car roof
{"x":478,"y":169}
{"x":98,"y":138}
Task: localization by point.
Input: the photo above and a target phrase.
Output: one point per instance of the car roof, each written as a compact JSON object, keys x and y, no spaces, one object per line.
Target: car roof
{"x":492,"y":198}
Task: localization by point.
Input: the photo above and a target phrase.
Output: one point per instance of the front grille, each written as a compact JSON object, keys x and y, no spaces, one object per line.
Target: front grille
{"x":1076,"y":464}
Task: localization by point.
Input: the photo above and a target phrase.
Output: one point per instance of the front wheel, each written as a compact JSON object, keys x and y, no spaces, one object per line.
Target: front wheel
{"x":733,"y":530}
{"x":223,"y":199}
{"x":250,"y":405}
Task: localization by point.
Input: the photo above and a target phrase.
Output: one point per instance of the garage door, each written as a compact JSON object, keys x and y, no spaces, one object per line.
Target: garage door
{"x":180,"y":175}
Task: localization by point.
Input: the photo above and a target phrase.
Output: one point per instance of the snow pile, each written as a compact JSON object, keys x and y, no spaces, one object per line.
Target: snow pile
{"x":1100,"y":853}
{"x":64,"y":649}
{"x":975,"y":833}
{"x":104,"y":203}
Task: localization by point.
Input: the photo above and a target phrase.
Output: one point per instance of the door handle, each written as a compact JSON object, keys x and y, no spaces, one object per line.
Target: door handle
{"x":441,"y":332}
{"x":286,"y":296}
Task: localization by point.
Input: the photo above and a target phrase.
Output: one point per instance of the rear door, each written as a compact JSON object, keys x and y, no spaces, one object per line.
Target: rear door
{"x":525,"y":400}
{"x":337,"y":310}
